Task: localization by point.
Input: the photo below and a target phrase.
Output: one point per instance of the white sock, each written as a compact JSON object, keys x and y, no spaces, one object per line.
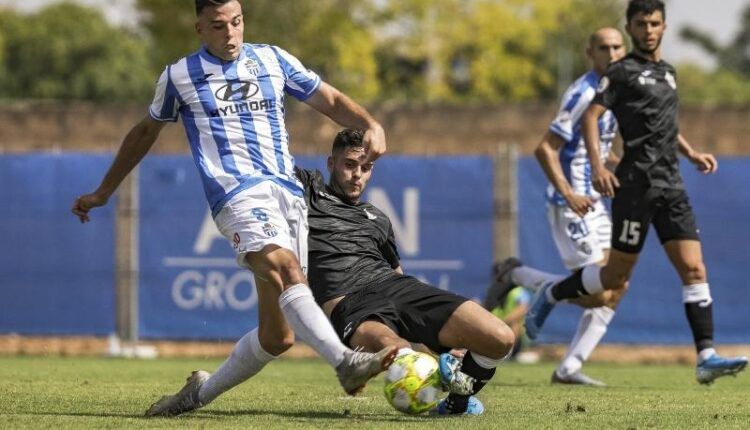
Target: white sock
{"x":246,"y":360}
{"x":532,"y":279}
{"x":487,"y":362}
{"x":591,"y":328}
{"x":310,"y":323}
{"x":705,"y":353}
{"x":592,"y":279}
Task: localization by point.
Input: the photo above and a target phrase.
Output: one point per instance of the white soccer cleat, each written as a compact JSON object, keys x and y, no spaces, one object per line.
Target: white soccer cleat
{"x":359,"y":367}
{"x":184,"y":401}
{"x":577,"y":378}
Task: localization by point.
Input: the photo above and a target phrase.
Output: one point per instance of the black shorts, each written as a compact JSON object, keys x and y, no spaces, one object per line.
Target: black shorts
{"x":414,"y":310}
{"x":634,"y":208}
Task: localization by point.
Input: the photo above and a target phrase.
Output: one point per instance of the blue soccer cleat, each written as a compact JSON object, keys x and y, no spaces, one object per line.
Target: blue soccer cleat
{"x":715,"y":367}
{"x":539,"y":310}
{"x":475,"y":407}
{"x":451,"y":377}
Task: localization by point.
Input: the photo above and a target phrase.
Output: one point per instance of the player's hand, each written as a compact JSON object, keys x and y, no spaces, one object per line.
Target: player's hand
{"x":374,"y":142}
{"x":704,"y":162}
{"x":605,"y":182}
{"x":85,"y":203}
{"x":580,"y":204}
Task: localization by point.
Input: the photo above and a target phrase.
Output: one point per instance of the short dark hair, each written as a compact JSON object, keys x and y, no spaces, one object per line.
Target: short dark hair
{"x":647,"y":7}
{"x":346,"y":139}
{"x":201,"y":4}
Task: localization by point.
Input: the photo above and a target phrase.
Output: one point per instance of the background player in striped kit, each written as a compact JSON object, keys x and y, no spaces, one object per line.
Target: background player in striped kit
{"x":579,"y":220}
{"x":230,"y":96}
{"x":641,"y":90}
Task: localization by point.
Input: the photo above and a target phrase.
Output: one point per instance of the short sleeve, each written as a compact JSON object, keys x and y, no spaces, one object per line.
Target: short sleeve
{"x":165,"y":105}
{"x":390,"y":252}
{"x":611,"y":85}
{"x":301,"y":82}
{"x":574,"y":103}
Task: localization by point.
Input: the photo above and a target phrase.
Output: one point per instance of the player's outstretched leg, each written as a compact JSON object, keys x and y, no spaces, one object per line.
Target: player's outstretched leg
{"x":184,"y":401}
{"x":539,"y":309}
{"x":715,"y":366}
{"x":359,"y":367}
{"x":488,"y":340}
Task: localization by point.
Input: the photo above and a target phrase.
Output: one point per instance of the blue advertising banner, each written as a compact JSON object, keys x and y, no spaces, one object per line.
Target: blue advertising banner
{"x":191,"y":287}
{"x":56,"y":274}
{"x":652,"y":311}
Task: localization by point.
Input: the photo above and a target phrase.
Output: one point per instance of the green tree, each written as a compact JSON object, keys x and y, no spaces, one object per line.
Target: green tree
{"x":734,"y":56}
{"x":332,"y":37}
{"x":67,"y":51}
{"x":486,"y":50}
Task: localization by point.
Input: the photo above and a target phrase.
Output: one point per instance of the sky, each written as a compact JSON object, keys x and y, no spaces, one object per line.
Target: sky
{"x":719,"y":18}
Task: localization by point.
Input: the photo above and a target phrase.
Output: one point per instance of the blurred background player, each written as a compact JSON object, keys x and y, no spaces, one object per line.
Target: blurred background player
{"x":510,"y":302}
{"x":356,"y":276}
{"x":641,"y":90}
{"x":579,"y":220}
{"x":231,"y":98}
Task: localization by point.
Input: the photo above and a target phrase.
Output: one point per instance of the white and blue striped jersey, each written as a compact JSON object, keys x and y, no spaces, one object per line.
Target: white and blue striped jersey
{"x":233,"y":114}
{"x":567,"y":125}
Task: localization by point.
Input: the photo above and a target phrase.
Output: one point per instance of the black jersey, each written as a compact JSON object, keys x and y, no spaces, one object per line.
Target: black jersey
{"x":643,"y":96}
{"x":349,"y":245}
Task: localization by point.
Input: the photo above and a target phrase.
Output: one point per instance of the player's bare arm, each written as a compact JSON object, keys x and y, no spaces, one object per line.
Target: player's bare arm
{"x":603,"y":180}
{"x":348,"y":113}
{"x":703,"y":161}
{"x":134,"y":147}
{"x":548,"y":155}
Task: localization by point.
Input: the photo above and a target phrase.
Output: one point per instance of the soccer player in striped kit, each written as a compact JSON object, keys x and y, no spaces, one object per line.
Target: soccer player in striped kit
{"x":579,"y":220}
{"x":230,"y":96}
{"x":641,"y":90}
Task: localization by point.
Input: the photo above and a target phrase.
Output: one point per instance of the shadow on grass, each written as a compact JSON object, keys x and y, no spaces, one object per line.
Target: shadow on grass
{"x":209,"y":414}
{"x":319,"y":415}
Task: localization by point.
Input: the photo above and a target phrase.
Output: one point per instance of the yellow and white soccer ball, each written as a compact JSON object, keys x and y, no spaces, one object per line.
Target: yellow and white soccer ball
{"x":412,"y":383}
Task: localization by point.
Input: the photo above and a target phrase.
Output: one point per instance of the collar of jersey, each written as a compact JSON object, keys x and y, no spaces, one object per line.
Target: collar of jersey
{"x":211,"y":58}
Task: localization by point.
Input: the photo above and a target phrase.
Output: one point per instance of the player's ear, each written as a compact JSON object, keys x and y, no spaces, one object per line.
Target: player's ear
{"x":329,"y":163}
{"x":198,"y":27}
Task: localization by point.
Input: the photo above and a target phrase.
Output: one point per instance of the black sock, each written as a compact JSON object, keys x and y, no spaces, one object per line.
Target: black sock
{"x":481,"y":375}
{"x":570,"y":287}
{"x":458,"y":403}
{"x":701,"y":321}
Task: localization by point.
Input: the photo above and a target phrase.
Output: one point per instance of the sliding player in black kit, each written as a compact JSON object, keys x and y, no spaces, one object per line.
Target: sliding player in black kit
{"x":641,"y":90}
{"x":356,"y":277}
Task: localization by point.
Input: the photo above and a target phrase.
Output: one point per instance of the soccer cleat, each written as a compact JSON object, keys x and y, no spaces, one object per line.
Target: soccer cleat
{"x":539,"y":310}
{"x":184,"y":401}
{"x":359,"y":367}
{"x":475,"y":407}
{"x":502,"y":282}
{"x":577,"y":378}
{"x":451,"y":377}
{"x":715,"y":367}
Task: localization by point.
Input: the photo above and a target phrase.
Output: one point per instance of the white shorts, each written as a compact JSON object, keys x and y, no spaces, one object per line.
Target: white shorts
{"x":265,"y":214}
{"x":580,"y":241}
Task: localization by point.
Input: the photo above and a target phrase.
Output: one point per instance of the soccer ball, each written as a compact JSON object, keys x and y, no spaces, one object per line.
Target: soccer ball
{"x":412,"y":383}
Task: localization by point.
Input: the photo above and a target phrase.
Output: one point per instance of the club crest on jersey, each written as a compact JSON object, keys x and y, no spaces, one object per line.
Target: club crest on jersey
{"x":369,"y":215}
{"x":670,"y":80}
{"x":269,"y":230}
{"x":646,"y":79}
{"x":252,"y":66}
{"x":603,"y":85}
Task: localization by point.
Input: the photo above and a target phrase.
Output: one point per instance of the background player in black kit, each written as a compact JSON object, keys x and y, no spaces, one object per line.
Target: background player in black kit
{"x":641,"y":90}
{"x":356,"y":277}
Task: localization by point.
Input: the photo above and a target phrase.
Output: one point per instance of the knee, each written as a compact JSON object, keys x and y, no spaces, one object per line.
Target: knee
{"x":694,"y":272}
{"x":276,"y":344}
{"x":503,"y":341}
{"x":616,"y":279}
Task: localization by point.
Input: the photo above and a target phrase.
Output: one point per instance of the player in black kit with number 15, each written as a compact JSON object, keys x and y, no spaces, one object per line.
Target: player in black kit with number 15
{"x":641,"y":90}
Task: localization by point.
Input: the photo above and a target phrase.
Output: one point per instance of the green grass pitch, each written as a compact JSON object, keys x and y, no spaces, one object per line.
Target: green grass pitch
{"x":78,"y":393}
